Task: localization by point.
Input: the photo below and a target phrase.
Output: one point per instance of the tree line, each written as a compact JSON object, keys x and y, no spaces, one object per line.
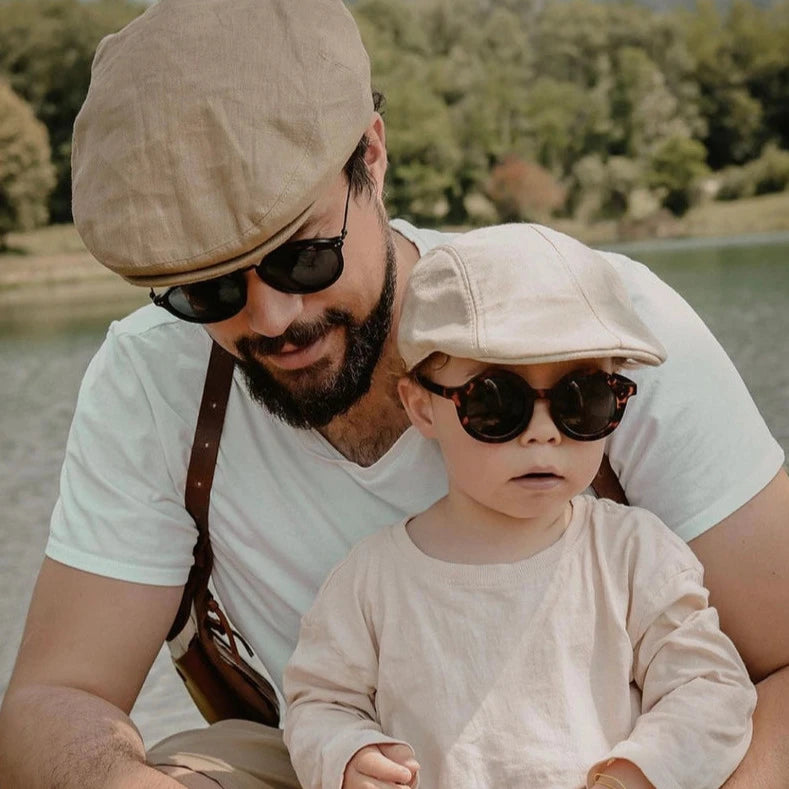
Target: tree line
{"x":495,"y":109}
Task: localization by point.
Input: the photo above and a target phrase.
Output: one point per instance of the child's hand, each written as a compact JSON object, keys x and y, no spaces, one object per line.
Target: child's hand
{"x":381,"y":767}
{"x":624,"y":774}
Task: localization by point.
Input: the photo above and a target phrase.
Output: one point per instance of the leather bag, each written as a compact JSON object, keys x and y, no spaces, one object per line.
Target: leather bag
{"x":203,"y":645}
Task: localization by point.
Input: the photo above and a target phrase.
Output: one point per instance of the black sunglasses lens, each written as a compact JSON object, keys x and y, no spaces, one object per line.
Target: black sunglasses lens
{"x":497,"y":407}
{"x":584,"y":405}
{"x":301,"y":269}
{"x":208,"y":302}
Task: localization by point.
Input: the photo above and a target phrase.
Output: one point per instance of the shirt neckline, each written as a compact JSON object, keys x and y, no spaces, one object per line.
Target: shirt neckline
{"x":530,"y":570}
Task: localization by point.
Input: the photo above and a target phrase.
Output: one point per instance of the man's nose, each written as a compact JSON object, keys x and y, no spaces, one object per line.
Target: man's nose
{"x":270,"y":311}
{"x":541,"y":429}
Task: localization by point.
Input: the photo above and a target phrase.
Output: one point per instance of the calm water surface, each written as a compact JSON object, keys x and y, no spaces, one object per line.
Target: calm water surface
{"x":740,"y":287}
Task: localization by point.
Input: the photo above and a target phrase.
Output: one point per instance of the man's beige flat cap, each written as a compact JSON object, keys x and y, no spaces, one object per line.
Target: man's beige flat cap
{"x":209,"y":130}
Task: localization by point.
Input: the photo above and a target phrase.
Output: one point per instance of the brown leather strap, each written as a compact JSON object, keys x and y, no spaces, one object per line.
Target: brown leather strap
{"x":200,"y":474}
{"x":606,"y":484}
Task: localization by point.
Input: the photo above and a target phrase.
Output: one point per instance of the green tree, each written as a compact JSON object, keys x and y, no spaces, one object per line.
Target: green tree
{"x":768,"y":77}
{"x":563,"y":122}
{"x":674,"y":169}
{"x":26,"y":172}
{"x":643,"y":108}
{"x":454,"y":76}
{"x":606,"y":96}
{"x":486,"y":78}
{"x":46,"y":49}
{"x":632,"y":70}
{"x":725,"y":51}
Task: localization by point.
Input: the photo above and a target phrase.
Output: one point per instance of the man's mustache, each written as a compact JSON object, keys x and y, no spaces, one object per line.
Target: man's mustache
{"x":299,"y":335}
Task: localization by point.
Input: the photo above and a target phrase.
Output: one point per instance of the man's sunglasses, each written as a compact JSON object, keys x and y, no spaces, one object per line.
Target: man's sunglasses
{"x":304,"y":266}
{"x":498,"y":405}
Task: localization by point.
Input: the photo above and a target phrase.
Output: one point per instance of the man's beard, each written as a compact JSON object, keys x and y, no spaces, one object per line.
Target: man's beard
{"x":314,"y":403}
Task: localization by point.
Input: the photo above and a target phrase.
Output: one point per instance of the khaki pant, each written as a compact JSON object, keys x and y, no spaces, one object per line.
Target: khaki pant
{"x":235,"y":754}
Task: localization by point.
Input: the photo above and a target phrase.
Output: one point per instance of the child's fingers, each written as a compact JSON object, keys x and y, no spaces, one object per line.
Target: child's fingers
{"x":401,"y":754}
{"x":371,"y":762}
{"x":365,"y":782}
{"x":356,"y":780}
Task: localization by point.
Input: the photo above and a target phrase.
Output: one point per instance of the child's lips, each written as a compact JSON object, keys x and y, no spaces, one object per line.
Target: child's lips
{"x":541,"y":471}
{"x":539,"y":478}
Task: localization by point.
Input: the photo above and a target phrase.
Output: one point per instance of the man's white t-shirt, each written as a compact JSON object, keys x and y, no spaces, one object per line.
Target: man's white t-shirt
{"x":286,"y":506}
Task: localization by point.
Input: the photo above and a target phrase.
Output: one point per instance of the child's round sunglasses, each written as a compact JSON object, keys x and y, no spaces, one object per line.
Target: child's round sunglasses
{"x":498,"y":405}
{"x":304,"y":266}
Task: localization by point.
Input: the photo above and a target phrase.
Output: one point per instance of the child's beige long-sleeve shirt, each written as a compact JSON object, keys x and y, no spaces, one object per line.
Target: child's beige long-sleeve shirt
{"x":524,"y":674}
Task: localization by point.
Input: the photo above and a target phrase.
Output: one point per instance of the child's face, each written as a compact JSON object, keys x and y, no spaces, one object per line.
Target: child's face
{"x":528,"y":476}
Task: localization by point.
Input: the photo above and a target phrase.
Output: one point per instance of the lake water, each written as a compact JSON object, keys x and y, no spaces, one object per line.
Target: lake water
{"x":739,"y":286}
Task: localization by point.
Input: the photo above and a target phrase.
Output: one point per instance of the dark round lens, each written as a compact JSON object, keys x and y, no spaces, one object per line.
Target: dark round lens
{"x":497,"y":408}
{"x":208,"y":302}
{"x":305,"y":269}
{"x":584,"y":405}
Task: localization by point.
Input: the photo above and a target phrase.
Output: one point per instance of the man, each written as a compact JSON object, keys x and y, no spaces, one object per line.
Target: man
{"x":217,"y":132}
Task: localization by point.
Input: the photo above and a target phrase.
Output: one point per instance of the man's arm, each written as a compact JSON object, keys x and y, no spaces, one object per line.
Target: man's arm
{"x":746,"y":566}
{"x":88,"y":645}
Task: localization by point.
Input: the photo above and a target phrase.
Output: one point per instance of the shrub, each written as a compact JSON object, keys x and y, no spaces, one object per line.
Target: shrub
{"x":768,"y":173}
{"x":770,"y":170}
{"x":735,"y":183}
{"x":524,"y":191}
{"x":604,"y":189}
{"x":26,"y":173}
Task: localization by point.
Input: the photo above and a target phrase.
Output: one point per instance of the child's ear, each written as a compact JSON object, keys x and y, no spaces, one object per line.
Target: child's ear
{"x":418,"y":405}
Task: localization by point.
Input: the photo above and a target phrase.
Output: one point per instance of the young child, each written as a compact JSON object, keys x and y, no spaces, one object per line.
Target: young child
{"x":518,"y":634}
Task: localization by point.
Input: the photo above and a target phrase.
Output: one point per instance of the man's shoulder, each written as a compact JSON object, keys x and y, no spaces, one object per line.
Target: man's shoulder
{"x":151,"y":352}
{"x":639,"y":280}
{"x":424,"y":239}
{"x":634,"y":536}
{"x":154,"y":323}
{"x":151,"y":338}
{"x":610,"y":517}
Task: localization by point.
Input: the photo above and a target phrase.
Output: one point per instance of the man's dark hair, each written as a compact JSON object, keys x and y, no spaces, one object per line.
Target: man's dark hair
{"x":355,"y":168}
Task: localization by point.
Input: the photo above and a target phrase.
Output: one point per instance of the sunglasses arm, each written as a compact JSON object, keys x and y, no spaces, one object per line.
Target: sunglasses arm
{"x":431,"y":386}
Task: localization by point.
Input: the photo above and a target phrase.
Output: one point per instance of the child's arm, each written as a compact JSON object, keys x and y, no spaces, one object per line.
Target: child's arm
{"x":697,"y":699}
{"x":329,"y":687}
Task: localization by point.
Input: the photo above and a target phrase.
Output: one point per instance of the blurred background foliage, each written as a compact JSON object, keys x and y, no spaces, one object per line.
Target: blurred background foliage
{"x":529,"y":109}
{"x":495,"y":109}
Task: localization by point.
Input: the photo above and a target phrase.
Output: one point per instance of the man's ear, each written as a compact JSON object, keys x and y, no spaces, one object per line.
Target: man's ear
{"x":375,"y":155}
{"x":418,"y":405}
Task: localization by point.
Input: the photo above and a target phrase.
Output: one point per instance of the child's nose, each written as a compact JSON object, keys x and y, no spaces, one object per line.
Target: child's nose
{"x":541,"y":428}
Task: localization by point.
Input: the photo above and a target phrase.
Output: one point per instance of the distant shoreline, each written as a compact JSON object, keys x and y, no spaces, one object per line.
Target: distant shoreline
{"x":62,"y":278}
{"x":51,"y":265}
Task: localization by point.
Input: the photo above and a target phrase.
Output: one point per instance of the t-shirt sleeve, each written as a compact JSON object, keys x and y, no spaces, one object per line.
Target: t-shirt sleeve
{"x":692,"y":447}
{"x":120,"y":512}
{"x":330,"y":681}
{"x":696,"y":697}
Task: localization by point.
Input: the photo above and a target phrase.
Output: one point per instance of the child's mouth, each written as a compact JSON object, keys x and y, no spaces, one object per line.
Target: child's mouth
{"x":539,"y":475}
